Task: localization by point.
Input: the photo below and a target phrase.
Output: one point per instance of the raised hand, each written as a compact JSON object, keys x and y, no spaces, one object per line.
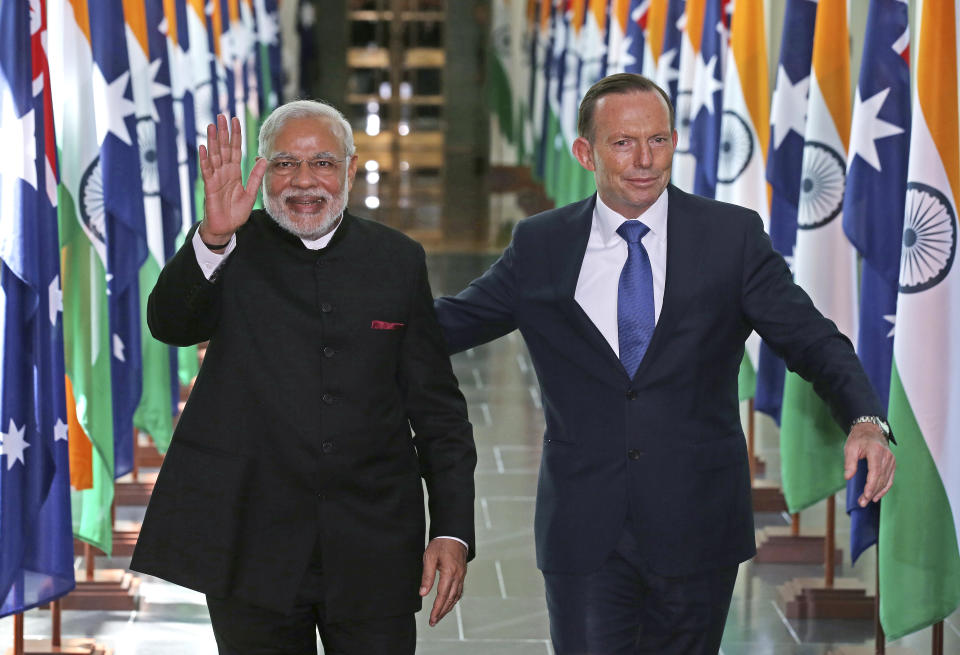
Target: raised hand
{"x":227,"y":203}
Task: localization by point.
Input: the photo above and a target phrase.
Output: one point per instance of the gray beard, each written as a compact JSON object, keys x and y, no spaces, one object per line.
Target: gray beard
{"x":314,"y":229}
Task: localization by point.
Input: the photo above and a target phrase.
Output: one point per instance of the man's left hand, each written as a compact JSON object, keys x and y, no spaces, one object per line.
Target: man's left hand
{"x":867,"y":440}
{"x":449,"y":558}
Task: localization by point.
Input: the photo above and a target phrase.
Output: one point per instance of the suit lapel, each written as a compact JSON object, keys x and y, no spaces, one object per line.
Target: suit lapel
{"x":683,"y":272}
{"x":567,"y":261}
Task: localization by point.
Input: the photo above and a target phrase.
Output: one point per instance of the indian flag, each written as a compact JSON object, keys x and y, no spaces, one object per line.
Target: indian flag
{"x":154,"y":413}
{"x":811,"y":443}
{"x":656,"y":23}
{"x":86,"y":335}
{"x":919,"y":518}
{"x":498,"y":69}
{"x":744,"y":134}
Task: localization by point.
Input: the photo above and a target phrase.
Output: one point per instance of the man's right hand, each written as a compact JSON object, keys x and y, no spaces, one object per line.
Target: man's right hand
{"x":227,"y":203}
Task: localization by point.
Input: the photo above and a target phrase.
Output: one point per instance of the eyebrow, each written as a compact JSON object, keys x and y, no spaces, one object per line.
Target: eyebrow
{"x":319,"y":155}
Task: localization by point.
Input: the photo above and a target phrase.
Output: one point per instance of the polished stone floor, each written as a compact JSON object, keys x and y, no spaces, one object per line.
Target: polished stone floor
{"x":503,"y":611}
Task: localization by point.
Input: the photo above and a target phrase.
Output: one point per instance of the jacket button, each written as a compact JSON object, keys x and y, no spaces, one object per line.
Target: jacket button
{"x":631,"y":395}
{"x":326,"y":308}
{"x":634,"y":454}
{"x":328,"y":352}
{"x":327,"y":399}
{"x":328,"y":447}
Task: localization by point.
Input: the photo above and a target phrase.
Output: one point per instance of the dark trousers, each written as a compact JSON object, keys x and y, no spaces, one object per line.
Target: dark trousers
{"x":241,"y":628}
{"x":624,"y":608}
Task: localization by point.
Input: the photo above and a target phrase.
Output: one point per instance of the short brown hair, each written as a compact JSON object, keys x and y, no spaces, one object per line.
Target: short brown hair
{"x":618,"y":83}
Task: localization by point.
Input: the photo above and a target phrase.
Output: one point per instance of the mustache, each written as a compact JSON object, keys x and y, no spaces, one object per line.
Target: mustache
{"x":308,"y":195}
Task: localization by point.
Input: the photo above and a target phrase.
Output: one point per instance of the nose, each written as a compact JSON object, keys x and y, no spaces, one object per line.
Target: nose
{"x":643,"y":156}
{"x":303,"y":176}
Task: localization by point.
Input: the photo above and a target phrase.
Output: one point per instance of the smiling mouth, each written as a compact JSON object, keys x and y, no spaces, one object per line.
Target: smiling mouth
{"x":305,"y":205}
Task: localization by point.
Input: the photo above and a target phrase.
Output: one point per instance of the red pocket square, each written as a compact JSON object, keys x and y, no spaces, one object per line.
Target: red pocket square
{"x":385,"y":325}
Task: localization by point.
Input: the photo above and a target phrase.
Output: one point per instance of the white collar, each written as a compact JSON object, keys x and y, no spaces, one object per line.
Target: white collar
{"x":655,"y":218}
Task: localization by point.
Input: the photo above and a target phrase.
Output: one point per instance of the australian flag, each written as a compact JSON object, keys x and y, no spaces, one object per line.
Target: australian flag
{"x":873,"y":209}
{"x":706,"y":109}
{"x":788,"y":118}
{"x":635,"y":35}
{"x":36,"y":540}
{"x":668,"y":65}
{"x":123,"y":217}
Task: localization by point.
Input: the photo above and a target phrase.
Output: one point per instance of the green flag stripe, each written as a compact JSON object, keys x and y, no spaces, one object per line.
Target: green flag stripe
{"x":919,"y":559}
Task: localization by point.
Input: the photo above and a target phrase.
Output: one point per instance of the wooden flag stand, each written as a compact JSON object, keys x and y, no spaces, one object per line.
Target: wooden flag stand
{"x":103,"y":589}
{"x":829,"y":598}
{"x":55,"y":645}
{"x":137,"y":490}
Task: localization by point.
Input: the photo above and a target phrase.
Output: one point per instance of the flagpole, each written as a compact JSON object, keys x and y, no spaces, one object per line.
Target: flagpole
{"x":936,"y":647}
{"x":829,"y":541}
{"x":880,"y":639}
{"x":18,"y":634}
{"x":751,"y":436}
{"x":55,"y":623}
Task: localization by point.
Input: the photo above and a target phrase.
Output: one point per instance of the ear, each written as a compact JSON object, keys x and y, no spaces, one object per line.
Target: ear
{"x":351,"y":171}
{"x":583,"y":151}
{"x":675,"y":139}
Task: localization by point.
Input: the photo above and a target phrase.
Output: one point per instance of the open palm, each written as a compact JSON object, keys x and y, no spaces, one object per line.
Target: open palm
{"x":227,"y":203}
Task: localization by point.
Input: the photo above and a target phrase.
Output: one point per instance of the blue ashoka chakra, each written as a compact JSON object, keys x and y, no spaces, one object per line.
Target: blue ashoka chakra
{"x":149,"y":167}
{"x":736,"y":147}
{"x":929,"y":238}
{"x":91,"y":201}
{"x":821,"y":185}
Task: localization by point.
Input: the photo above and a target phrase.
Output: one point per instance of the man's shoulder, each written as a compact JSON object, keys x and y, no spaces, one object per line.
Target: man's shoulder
{"x":710,"y":213}
{"x":558,"y":218}
{"x":376,"y":234}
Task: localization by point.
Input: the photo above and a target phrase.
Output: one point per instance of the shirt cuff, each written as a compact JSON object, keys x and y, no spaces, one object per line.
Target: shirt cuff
{"x":455,"y":539}
{"x":210,"y":261}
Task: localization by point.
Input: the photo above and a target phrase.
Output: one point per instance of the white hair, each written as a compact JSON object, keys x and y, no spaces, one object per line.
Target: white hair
{"x":304,"y":109}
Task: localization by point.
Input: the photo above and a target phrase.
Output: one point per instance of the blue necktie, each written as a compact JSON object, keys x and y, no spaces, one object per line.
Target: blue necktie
{"x":635,"y":313}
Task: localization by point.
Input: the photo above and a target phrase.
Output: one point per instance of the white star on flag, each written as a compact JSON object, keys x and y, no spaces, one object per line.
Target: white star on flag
{"x":868,"y":127}
{"x":60,"y":430}
{"x":157,"y":90}
{"x":17,"y":137}
{"x":13,"y":444}
{"x":626,"y":57}
{"x":892,"y":320}
{"x":118,"y":348}
{"x":111,"y":106}
{"x":55,"y":296}
{"x":786,"y":97}
{"x":269,"y":29}
{"x":706,"y":86}
{"x":666,"y":72}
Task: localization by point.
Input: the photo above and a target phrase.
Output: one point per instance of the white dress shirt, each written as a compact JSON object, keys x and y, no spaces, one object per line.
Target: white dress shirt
{"x":210,"y":261}
{"x":603,"y":261}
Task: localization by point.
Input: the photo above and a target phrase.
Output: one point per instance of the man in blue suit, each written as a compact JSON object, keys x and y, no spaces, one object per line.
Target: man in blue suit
{"x":634,"y":305}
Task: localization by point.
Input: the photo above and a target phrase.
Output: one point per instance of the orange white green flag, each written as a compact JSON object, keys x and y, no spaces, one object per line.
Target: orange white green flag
{"x":744,"y":134}
{"x":920,"y":516}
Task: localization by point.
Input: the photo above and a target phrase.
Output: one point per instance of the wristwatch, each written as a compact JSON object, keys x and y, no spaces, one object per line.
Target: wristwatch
{"x":876,"y":420}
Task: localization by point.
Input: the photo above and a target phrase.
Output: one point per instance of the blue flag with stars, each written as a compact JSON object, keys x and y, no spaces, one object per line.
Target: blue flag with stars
{"x":873,"y":209}
{"x":634,"y":36}
{"x":123,"y":216}
{"x":788,"y":119}
{"x":706,"y":108}
{"x":668,"y":65}
{"x":36,"y":540}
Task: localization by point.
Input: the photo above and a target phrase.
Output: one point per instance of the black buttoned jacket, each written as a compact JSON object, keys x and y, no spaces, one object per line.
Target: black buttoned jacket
{"x":298,"y":427}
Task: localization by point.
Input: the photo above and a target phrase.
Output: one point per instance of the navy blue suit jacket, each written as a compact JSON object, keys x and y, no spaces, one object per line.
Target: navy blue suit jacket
{"x":684,"y":487}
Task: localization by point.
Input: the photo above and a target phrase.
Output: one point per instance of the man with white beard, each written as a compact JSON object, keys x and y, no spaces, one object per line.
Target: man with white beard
{"x":291,"y":494}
